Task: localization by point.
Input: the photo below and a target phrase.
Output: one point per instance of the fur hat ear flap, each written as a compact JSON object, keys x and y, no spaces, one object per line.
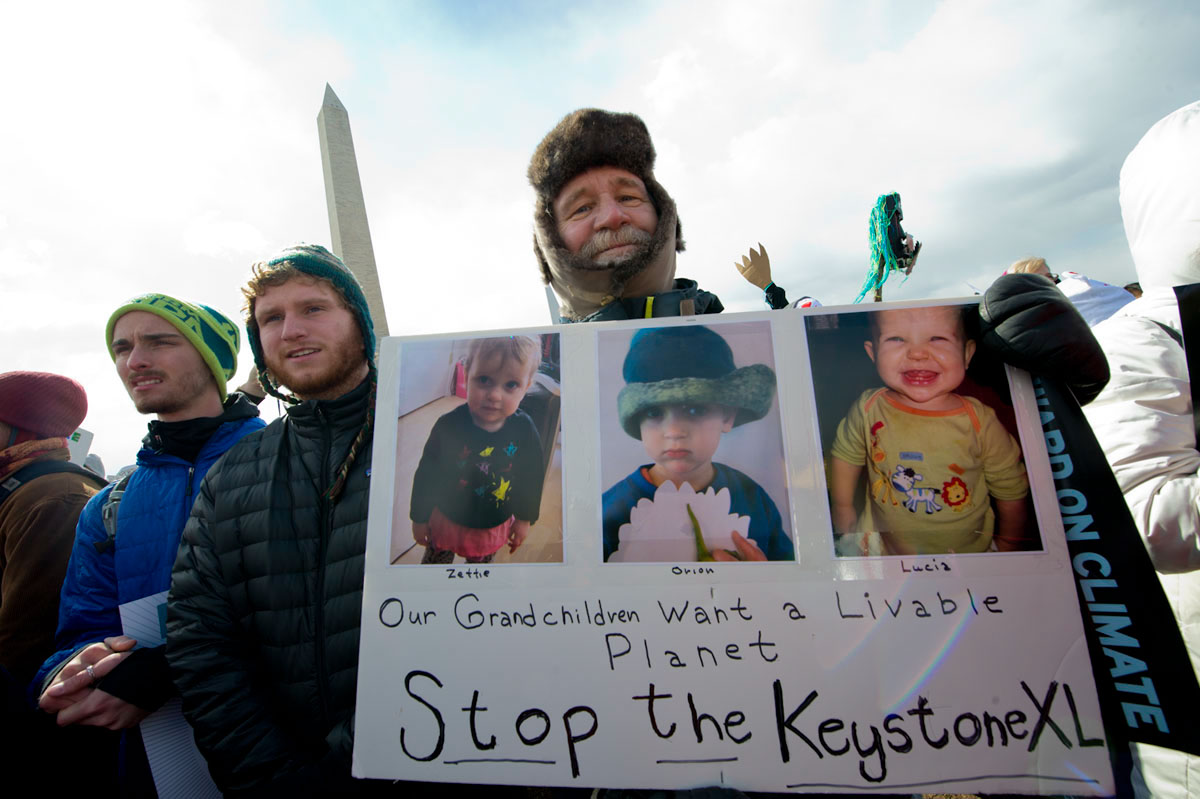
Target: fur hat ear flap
{"x":541,"y":258}
{"x":664,"y":204}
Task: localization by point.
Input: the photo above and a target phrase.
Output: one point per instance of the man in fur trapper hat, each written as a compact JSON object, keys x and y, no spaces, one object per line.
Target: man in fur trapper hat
{"x":605,"y":231}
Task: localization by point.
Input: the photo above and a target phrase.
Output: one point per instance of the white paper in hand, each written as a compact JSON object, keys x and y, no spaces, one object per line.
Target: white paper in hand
{"x":659,"y":530}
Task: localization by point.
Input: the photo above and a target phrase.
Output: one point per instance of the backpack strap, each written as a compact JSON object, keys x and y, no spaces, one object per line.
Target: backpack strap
{"x":42,"y":468}
{"x":1193,"y":379}
{"x":1175,"y":335}
{"x":108,"y":514}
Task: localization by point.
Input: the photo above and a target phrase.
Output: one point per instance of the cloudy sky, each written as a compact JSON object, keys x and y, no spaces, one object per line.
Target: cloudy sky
{"x":167,"y":145}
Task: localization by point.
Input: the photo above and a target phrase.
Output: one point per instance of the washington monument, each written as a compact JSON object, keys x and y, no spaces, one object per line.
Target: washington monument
{"x":347,"y":211}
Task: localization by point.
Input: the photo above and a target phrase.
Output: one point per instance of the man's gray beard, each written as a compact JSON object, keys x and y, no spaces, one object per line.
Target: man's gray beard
{"x":620,"y":272}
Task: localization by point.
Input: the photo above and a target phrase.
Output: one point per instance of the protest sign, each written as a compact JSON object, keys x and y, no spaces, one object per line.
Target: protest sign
{"x":628,"y":652}
{"x":78,"y":444}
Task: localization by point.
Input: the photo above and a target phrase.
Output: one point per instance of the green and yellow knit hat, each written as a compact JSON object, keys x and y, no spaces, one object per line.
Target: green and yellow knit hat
{"x":213,"y":335}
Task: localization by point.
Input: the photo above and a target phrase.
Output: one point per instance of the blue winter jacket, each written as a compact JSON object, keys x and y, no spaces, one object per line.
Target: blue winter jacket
{"x":150,"y":521}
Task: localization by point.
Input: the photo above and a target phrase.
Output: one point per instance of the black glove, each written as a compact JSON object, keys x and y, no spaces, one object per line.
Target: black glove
{"x":776,"y":297}
{"x":1025,"y":321}
{"x":141,"y":679}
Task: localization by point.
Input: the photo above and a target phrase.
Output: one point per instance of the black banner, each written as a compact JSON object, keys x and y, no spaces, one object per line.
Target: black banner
{"x":1189,"y":317}
{"x":1147,"y":688}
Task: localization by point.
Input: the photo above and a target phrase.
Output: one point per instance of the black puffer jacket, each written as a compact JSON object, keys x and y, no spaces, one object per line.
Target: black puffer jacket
{"x":263,"y":616}
{"x":669,"y":303}
{"x":1025,"y":321}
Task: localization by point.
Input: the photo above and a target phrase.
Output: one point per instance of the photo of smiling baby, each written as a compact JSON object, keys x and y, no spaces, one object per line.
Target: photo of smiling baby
{"x":917,"y":468}
{"x":686,"y":437}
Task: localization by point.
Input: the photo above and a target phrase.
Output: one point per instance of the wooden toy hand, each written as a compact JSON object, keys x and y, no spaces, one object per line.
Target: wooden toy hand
{"x":756,"y":267}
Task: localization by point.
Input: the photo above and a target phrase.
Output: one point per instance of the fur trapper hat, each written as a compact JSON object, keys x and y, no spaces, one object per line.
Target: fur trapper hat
{"x":689,"y":364}
{"x":583,"y":140}
{"x":211,"y":332}
{"x":45,"y":404}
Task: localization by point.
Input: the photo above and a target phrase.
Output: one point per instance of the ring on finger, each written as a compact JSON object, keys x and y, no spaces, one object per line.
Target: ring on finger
{"x":91,"y":672}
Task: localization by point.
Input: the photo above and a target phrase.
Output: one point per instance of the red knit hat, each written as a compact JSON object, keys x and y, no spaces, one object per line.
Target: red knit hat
{"x":43,"y":403}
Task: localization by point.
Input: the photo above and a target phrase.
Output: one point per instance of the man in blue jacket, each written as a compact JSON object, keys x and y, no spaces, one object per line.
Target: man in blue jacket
{"x":175,"y":359}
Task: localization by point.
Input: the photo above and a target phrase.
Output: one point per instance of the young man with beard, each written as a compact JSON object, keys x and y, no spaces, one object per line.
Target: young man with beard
{"x":605,"y":232}
{"x":263,"y":622}
{"x":175,"y":359}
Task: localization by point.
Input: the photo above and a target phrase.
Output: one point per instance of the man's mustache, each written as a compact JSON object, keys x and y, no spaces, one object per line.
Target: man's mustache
{"x":603,"y":240}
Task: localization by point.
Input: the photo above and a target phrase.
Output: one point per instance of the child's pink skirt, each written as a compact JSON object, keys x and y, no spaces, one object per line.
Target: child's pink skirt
{"x":469,"y":542}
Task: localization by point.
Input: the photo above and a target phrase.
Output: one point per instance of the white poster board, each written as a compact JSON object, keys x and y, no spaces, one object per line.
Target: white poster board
{"x":78,"y":444}
{"x":819,"y":673}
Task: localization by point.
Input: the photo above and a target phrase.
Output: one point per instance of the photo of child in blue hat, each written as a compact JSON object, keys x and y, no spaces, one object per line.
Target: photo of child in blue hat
{"x":682,"y":394}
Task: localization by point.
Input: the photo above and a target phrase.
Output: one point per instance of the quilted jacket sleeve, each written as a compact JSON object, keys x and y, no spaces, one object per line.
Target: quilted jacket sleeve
{"x":1027,"y":322}
{"x":232,"y":724}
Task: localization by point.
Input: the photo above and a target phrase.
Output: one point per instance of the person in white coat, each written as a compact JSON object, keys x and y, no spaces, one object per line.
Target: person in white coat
{"x":1143,"y":418}
{"x":1094,"y":299}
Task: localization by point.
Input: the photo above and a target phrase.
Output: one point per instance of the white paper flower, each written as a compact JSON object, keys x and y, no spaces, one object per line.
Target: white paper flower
{"x":660,"y":530}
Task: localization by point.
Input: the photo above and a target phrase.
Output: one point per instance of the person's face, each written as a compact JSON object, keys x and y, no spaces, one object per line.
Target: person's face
{"x":310,"y":340}
{"x":605,"y":214}
{"x":921,"y":354}
{"x":495,"y":387}
{"x":683,"y":438}
{"x":163,"y":373}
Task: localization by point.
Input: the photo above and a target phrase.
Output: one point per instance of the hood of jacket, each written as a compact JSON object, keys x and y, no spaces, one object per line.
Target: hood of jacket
{"x":1160,"y":200}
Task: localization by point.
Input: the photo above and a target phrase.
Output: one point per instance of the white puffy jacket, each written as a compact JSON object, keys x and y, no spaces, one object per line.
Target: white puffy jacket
{"x":1143,"y":418}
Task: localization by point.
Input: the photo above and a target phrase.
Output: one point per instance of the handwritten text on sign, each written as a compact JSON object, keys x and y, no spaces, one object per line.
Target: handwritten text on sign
{"x":652,"y":662}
